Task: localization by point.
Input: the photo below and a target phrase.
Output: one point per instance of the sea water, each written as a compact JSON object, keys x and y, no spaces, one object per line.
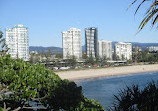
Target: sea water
{"x":103,"y":89}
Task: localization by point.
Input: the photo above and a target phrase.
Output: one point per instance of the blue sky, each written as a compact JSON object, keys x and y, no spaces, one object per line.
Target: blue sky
{"x":46,"y":19}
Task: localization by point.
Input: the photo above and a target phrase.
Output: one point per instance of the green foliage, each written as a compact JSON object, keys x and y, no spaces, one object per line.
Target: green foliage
{"x":71,"y":61}
{"x":130,"y":61}
{"x":151,"y":13}
{"x":48,"y":54}
{"x":26,"y":83}
{"x":65,"y":96}
{"x":145,"y":56}
{"x":116,"y":57}
{"x":123,"y":57}
{"x":137,"y":99}
{"x":84,"y":56}
{"x":90,"y":60}
{"x":89,"y":105}
{"x":59,"y":55}
{"x":34,"y":58}
{"x":3,"y":46}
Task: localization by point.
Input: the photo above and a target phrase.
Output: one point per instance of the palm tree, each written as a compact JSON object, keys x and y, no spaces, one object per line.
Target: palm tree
{"x":151,"y":13}
{"x":137,"y":99}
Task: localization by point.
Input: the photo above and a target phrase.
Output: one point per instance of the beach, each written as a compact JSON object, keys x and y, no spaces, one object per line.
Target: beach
{"x":105,"y":72}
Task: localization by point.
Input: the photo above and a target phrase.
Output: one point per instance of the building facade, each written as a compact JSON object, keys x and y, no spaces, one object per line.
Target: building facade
{"x":123,"y":51}
{"x":105,"y":49}
{"x":72,"y":44}
{"x":153,"y":49}
{"x":18,"y":42}
{"x":91,"y":40}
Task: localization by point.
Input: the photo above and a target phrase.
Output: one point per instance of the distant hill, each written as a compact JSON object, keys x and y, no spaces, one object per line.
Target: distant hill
{"x":45,"y":49}
{"x":40,"y":49}
{"x":60,"y":50}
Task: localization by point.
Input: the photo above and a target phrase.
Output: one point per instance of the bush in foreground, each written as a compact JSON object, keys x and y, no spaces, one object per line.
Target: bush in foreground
{"x":24,"y":85}
{"x":137,"y":99}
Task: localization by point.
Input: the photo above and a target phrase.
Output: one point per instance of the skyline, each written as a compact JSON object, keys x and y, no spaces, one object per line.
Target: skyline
{"x":46,"y":20}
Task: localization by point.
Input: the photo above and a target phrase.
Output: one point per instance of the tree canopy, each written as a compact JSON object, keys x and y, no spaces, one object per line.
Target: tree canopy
{"x":24,"y":86}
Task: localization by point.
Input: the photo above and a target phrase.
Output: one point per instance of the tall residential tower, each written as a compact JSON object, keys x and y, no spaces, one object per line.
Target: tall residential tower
{"x":72,"y":44}
{"x":91,"y":37}
{"x":105,"y":49}
{"x":18,"y":42}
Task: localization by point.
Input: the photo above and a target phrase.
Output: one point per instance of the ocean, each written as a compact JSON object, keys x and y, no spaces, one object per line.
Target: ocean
{"x":103,"y":89}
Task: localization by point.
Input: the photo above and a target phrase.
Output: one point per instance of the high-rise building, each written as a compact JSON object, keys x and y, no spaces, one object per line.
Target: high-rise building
{"x":72,"y":43}
{"x":18,"y":42}
{"x":105,"y":49}
{"x":91,"y":37}
{"x":123,"y":50}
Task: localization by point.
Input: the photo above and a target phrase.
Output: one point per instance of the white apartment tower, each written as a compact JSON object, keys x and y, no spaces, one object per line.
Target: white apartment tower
{"x":18,"y":42}
{"x":72,"y":44}
{"x":105,"y":49}
{"x":91,"y":40}
{"x":123,"y":50}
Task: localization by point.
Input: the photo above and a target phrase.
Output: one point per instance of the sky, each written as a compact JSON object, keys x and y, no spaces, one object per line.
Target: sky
{"x":46,"y":19}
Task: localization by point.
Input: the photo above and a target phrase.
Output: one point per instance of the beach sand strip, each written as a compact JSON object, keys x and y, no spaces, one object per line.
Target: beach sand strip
{"x":103,"y":72}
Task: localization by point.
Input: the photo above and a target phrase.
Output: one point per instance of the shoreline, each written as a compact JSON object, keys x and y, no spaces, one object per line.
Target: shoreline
{"x":106,"y":72}
{"x":113,"y":76}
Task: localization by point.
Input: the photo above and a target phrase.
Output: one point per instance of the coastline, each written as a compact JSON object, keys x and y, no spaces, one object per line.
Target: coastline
{"x":106,"y":72}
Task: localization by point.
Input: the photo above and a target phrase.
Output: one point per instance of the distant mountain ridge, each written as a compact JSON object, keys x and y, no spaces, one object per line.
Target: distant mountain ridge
{"x":60,"y":50}
{"x":45,"y":49}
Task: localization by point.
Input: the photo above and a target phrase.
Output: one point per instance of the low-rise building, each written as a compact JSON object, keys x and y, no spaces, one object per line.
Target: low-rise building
{"x":123,"y":50}
{"x":153,"y":49}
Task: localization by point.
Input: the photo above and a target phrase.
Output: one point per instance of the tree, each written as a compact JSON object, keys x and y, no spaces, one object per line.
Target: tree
{"x":104,"y":61}
{"x":59,"y":55}
{"x":135,"y":52}
{"x":34,"y":58}
{"x":71,"y":61}
{"x":27,"y":82}
{"x":90,"y":60}
{"x":89,"y":105}
{"x":84,"y":55}
{"x":24,"y":83}
{"x":42,"y":56}
{"x":48,"y":55}
{"x":3,"y":46}
{"x":151,"y":13}
{"x":97,"y":60}
{"x":123,"y":57}
{"x":67,"y":95}
{"x":137,"y":99}
{"x":130,"y":61}
{"x":117,"y":57}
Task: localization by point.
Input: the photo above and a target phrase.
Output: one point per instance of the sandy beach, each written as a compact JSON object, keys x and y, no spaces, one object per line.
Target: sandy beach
{"x":111,"y":71}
